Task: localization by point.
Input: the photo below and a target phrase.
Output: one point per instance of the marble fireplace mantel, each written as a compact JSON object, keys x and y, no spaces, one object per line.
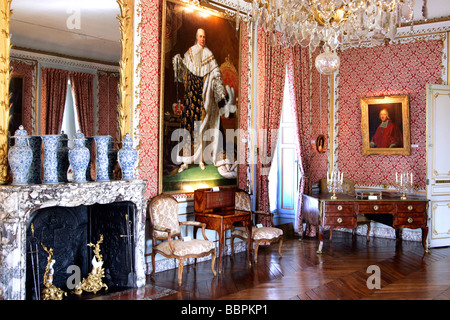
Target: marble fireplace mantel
{"x":17,"y":203}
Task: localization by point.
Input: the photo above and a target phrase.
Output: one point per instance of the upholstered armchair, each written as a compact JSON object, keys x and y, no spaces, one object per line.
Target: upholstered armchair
{"x":259,"y":235}
{"x":348,"y":187}
{"x":163,"y":212}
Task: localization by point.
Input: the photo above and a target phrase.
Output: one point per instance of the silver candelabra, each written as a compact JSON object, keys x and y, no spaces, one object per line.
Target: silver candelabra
{"x":334,"y":182}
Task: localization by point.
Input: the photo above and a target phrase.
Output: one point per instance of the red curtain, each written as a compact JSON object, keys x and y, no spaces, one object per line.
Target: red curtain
{"x":271,"y":77}
{"x":83,"y":93}
{"x":108,"y":100}
{"x":54,"y":89}
{"x":300,"y":96}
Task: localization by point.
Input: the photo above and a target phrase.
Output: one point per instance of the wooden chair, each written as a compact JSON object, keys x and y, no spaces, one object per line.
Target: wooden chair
{"x":348,"y":187}
{"x":163,"y":212}
{"x":259,"y":235}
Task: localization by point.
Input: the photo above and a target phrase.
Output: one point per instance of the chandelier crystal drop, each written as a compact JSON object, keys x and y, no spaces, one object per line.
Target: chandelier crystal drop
{"x":329,"y":23}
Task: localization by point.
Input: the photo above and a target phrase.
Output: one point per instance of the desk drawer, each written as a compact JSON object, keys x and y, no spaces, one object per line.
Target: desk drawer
{"x":411,"y":207}
{"x":410,"y":220}
{"x":340,"y":221}
{"x":339,"y":208}
{"x":376,"y":208}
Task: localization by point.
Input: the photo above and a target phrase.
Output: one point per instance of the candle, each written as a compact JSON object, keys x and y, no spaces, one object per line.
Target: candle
{"x":342,"y":177}
{"x":411,"y":178}
{"x":396,"y":177}
{"x":401,"y":180}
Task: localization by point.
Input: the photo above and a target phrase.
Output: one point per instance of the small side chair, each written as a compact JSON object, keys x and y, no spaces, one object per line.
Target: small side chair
{"x":165,"y":226}
{"x":259,"y":235}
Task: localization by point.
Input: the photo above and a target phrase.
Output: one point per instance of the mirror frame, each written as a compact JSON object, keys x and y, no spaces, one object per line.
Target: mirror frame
{"x":125,"y":107}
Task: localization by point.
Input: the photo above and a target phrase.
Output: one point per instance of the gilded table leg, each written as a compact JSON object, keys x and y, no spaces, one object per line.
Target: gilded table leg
{"x":250,"y":243}
{"x":319,"y":249}
{"x":424,"y":239}
{"x":221,"y":240}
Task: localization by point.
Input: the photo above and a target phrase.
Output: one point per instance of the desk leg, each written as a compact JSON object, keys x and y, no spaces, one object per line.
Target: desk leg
{"x":250,"y":243}
{"x":319,"y":250}
{"x":221,"y":232}
{"x":424,"y":239}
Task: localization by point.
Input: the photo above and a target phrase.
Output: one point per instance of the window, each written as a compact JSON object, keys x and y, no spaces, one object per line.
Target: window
{"x":70,"y":123}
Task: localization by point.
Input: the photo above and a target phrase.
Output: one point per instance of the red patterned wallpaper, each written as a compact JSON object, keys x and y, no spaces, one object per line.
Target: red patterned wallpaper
{"x":149,"y":94}
{"x":386,"y":70}
{"x":319,"y":120}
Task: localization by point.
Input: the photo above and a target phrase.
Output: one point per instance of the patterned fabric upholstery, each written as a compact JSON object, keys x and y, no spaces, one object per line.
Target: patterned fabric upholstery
{"x":242,"y":201}
{"x":267,"y":233}
{"x":165,"y":216}
{"x":184,"y":248}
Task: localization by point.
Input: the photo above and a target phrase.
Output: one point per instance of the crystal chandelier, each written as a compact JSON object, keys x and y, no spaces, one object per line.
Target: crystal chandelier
{"x":329,"y":23}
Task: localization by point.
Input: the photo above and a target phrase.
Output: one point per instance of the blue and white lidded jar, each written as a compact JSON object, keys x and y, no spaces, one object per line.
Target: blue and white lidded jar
{"x":50,"y":158}
{"x":79,"y":157}
{"x":102,"y":159}
{"x":127,"y":157}
{"x":20,"y":157}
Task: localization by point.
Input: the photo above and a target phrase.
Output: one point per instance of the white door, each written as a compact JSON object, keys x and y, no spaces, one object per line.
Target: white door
{"x":438,"y":165}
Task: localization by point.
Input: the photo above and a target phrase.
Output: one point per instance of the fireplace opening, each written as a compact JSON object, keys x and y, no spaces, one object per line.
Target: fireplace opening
{"x":68,"y":230}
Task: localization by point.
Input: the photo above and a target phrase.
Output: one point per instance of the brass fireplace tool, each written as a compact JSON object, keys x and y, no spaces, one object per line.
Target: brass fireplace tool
{"x":50,"y":292}
{"x":93,"y":282}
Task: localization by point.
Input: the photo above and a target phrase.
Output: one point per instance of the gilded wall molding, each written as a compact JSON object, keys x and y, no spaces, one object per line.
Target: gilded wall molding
{"x":125,"y":108}
{"x":5,"y":76}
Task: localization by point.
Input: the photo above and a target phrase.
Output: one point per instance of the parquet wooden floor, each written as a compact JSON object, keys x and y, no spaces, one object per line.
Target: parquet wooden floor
{"x":339,"y":273}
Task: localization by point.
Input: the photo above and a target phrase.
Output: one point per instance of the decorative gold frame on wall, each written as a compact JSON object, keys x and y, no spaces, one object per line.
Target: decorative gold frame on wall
{"x":125,"y":107}
{"x":218,"y":12}
{"x":365,"y":114}
{"x":5,"y":76}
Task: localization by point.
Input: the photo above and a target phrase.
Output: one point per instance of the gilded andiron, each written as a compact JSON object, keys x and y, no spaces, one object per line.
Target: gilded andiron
{"x":93,"y":282}
{"x":50,"y":292}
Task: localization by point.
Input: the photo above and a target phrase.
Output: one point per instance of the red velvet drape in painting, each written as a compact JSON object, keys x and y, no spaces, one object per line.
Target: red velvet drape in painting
{"x":271,"y":76}
{"x":54,"y":89}
{"x":83,"y":93}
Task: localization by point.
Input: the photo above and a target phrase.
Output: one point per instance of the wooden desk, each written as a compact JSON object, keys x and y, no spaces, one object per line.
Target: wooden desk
{"x":323,"y":212}
{"x":224,"y":220}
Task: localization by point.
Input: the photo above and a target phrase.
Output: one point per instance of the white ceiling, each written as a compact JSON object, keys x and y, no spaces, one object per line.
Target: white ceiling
{"x":81,"y":28}
{"x":45,"y":25}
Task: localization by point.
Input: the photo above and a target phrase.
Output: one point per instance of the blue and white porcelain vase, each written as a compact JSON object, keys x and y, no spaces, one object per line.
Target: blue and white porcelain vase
{"x":20,"y":157}
{"x":127,"y":157}
{"x":102,"y":159}
{"x":63,"y":157}
{"x":50,"y":158}
{"x":79,"y":157}
{"x":34,"y":173}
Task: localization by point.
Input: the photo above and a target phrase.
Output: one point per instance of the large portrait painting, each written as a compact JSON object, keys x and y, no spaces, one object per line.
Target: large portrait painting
{"x":199,"y":99}
{"x":385,"y":125}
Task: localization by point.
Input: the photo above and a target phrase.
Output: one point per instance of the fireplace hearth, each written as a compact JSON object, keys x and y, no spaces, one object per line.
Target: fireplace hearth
{"x":66,"y":217}
{"x":68,"y":230}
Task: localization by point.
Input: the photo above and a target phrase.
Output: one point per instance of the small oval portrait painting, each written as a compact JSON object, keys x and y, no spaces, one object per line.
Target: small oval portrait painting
{"x":320,"y":143}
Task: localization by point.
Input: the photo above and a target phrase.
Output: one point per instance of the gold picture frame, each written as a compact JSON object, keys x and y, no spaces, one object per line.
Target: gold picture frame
{"x":385,"y":125}
{"x":180,"y":23}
